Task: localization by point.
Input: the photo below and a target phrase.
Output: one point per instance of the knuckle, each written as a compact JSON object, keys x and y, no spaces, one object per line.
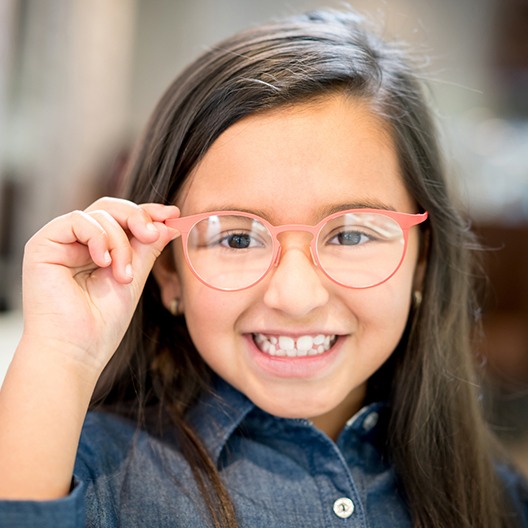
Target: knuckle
{"x":77,"y":213}
{"x":110,"y":202}
{"x":102,"y":213}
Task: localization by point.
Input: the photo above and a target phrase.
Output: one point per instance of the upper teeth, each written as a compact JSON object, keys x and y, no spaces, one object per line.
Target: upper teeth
{"x":306,"y":345}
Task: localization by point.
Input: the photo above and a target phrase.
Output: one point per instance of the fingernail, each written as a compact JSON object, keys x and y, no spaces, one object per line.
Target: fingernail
{"x":151,"y":227}
{"x":129,"y":271}
{"x":107,"y":258}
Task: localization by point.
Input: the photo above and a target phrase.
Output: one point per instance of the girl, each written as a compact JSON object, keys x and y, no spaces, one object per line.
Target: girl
{"x":300,"y":354}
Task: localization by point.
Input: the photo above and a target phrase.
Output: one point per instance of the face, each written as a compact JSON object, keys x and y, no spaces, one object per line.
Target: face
{"x":293,"y":166}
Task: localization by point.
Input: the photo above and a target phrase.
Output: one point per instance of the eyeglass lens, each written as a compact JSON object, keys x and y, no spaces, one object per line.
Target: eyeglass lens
{"x":358,"y":250}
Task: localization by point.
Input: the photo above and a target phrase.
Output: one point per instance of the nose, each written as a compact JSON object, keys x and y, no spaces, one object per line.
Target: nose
{"x":295,"y":286}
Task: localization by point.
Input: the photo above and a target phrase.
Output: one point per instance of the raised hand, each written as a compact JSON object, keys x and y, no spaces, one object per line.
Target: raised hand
{"x":84,"y":273}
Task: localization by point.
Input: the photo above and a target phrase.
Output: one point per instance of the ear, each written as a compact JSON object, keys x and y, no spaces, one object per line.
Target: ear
{"x":167,"y":277}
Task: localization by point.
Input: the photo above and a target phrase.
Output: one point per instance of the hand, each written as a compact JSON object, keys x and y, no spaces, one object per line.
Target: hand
{"x":84,"y":273}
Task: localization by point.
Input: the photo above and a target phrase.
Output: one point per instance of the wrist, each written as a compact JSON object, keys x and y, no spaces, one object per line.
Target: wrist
{"x":57,"y":358}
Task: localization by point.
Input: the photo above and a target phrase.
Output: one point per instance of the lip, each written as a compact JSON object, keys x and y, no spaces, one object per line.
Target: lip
{"x":300,"y":367}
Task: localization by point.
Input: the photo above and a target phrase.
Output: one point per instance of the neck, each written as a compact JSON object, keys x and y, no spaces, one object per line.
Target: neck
{"x":333,"y":422}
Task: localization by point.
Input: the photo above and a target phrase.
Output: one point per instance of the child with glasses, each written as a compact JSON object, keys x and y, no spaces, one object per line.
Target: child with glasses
{"x":272,"y":328}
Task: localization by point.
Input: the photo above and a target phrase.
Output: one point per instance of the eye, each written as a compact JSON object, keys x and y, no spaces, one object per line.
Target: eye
{"x":238,"y":241}
{"x":229,"y":233}
{"x":349,"y":238}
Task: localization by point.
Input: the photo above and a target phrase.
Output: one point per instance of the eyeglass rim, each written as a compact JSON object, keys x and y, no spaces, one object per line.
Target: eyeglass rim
{"x":185,"y":224}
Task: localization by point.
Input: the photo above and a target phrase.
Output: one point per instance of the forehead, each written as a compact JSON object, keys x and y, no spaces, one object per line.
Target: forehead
{"x":289,"y":164}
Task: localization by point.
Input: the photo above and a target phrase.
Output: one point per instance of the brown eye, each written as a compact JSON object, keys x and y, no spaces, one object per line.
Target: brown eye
{"x":237,"y":241}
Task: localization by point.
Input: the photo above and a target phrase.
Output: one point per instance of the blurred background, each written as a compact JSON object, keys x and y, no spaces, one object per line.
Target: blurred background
{"x":78,"y":79}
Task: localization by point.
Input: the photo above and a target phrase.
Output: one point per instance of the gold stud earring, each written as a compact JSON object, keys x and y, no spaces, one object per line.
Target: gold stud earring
{"x":174,"y":307}
{"x":417,"y":298}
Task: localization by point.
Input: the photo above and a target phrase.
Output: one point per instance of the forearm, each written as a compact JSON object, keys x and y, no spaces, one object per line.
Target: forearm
{"x":43,"y":403}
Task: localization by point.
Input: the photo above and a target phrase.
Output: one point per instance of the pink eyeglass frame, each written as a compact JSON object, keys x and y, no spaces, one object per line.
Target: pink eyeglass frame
{"x":185,"y":224}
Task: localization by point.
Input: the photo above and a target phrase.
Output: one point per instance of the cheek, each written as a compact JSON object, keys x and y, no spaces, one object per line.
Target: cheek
{"x":381,"y":312}
{"x":386,"y":308}
{"x":204,"y":315}
{"x":211,"y":316}
{"x":208,"y":313}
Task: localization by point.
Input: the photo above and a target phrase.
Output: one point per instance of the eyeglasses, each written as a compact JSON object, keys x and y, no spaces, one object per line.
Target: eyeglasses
{"x":356,"y":248}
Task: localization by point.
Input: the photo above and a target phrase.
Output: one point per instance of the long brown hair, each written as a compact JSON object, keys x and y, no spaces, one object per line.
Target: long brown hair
{"x":437,"y":439}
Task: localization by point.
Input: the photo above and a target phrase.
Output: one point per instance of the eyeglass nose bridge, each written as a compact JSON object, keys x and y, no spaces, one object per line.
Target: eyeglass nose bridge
{"x":276,"y":233}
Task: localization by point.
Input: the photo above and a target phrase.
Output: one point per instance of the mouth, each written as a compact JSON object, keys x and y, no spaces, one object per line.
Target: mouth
{"x":287,"y":346}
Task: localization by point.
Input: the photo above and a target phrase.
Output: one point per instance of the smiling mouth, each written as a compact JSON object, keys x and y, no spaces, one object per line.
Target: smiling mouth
{"x":286,"y":346}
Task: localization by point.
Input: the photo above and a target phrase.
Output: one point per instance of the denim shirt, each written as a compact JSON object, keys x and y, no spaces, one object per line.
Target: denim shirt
{"x":279,"y":473}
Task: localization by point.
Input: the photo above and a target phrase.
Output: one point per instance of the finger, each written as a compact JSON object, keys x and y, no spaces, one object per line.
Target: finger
{"x":118,"y":245}
{"x":111,"y":204}
{"x":70,"y":233}
{"x":141,"y":225}
{"x":139,"y":220}
{"x":160,"y":215}
{"x":159,"y":212}
{"x":134,"y":255}
{"x":129,"y":216}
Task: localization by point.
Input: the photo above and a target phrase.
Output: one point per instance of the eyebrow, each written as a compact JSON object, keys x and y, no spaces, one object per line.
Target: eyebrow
{"x":364,"y":204}
{"x":321,"y":212}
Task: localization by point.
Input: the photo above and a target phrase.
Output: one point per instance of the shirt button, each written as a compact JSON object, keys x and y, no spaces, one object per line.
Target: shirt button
{"x":343,"y":507}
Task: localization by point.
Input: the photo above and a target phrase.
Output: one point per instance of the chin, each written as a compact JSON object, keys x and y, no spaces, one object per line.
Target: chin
{"x":290,"y":408}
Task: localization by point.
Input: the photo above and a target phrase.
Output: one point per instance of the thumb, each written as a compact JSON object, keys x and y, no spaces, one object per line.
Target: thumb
{"x":145,"y":255}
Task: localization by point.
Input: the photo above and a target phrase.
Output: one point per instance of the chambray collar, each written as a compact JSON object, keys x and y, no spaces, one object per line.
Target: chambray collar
{"x":217,"y":415}
{"x":219,"y":412}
